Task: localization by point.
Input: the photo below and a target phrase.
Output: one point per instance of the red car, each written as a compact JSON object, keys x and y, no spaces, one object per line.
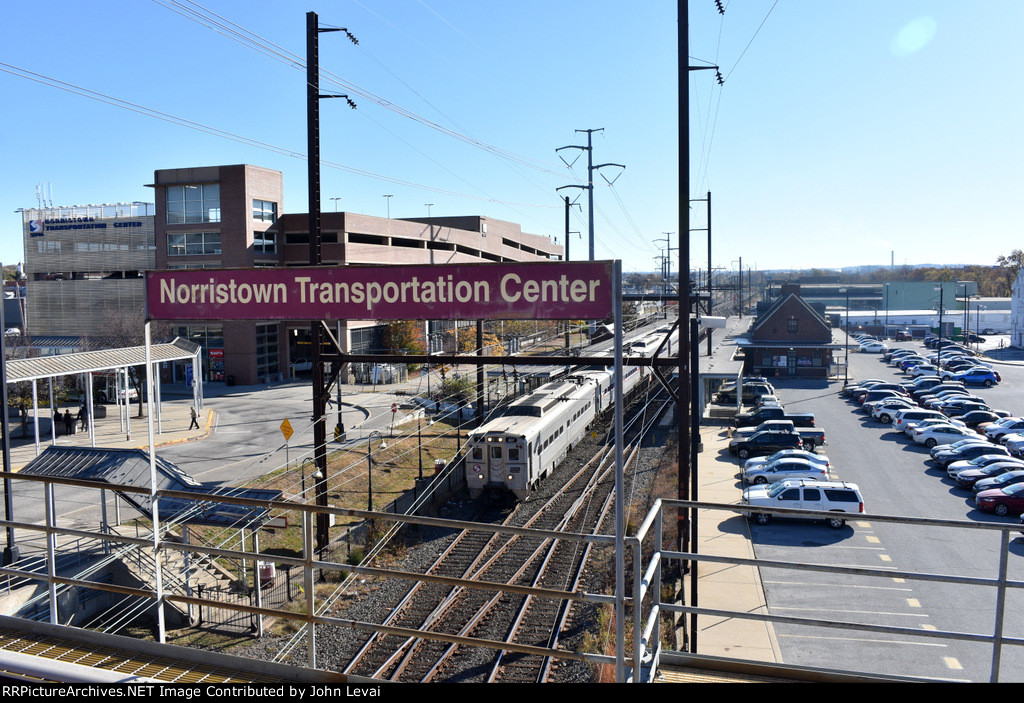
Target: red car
{"x":1002,"y":501}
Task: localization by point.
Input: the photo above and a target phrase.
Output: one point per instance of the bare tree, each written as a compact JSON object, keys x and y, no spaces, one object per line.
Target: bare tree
{"x":127,"y":328}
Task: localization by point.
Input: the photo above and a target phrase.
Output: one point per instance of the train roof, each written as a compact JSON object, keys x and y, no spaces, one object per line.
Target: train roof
{"x":548,"y":397}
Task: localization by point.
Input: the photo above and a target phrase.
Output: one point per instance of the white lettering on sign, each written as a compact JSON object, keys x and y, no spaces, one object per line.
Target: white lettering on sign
{"x":442,"y":290}
{"x":221,"y":293}
{"x":560,"y":290}
{"x":567,"y":290}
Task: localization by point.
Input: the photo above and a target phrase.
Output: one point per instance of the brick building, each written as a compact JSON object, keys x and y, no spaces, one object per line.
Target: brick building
{"x":791,"y":338}
{"x":231,"y":217}
{"x":83,"y":262}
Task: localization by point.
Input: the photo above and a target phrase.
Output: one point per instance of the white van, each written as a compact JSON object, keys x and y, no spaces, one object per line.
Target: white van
{"x":804,"y":494}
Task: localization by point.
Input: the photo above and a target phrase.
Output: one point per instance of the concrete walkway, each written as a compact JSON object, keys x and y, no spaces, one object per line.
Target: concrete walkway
{"x":727,"y":534}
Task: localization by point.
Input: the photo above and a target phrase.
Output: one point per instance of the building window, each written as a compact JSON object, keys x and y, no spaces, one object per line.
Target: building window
{"x":793,"y":325}
{"x":47,"y":246}
{"x":193,"y":243}
{"x":193,"y":203}
{"x":264,"y":243}
{"x":264,"y":211}
{"x":266,"y":351}
{"x":194,"y":266}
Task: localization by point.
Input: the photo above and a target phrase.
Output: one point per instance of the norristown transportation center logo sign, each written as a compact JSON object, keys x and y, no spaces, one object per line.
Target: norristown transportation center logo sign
{"x":535,"y":291}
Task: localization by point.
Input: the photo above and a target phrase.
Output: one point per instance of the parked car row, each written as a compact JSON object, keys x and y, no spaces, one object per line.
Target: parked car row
{"x":783,"y":470}
{"x":979,"y":447}
{"x":835,"y":498}
{"x":798,"y":479}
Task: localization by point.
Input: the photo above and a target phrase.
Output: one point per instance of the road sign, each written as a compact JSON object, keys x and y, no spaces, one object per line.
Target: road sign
{"x":286,"y":429}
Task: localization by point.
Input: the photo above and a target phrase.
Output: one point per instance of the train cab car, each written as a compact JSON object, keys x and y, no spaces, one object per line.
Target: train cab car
{"x":517,"y":451}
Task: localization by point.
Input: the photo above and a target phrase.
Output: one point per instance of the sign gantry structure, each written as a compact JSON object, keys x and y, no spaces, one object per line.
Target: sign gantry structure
{"x":585,"y":290}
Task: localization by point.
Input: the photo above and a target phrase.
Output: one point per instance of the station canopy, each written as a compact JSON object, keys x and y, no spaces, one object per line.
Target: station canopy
{"x":131,"y":467}
{"x":100,"y":360}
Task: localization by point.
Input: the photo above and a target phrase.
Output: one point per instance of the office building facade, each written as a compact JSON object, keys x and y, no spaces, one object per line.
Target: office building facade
{"x":232,"y":217}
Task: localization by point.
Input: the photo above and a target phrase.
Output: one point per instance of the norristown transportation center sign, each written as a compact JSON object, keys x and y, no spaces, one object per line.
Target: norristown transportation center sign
{"x":578,"y":290}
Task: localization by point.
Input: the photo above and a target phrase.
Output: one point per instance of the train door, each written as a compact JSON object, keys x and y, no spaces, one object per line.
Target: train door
{"x":496,"y":463}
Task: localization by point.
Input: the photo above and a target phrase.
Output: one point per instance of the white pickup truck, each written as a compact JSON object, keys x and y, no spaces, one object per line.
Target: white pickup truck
{"x":302,"y":365}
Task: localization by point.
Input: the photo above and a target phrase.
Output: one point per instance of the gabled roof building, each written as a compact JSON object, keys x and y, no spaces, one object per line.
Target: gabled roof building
{"x":790,"y":338}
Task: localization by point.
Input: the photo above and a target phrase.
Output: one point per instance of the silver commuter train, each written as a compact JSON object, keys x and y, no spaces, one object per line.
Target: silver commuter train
{"x":518,"y":450}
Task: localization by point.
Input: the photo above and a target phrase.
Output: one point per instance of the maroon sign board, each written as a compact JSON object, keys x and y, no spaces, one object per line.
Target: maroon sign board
{"x":565,"y":290}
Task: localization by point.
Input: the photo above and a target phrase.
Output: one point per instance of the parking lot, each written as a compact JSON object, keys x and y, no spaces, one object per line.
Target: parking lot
{"x":896,"y":479}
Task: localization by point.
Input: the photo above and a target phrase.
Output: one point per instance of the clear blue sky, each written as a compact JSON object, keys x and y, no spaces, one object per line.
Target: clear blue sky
{"x":846,"y":132}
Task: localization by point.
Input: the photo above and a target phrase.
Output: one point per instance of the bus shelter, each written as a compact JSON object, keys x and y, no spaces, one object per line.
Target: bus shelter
{"x":110,"y":363}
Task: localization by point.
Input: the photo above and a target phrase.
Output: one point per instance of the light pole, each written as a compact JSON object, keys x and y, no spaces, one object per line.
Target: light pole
{"x":846,"y":360}
{"x":419,"y":441}
{"x":967,"y":318}
{"x":938,"y":346}
{"x":302,"y":470}
{"x":977,"y":325}
{"x":885,"y":335}
{"x":388,"y":201}
{"x":369,"y":465}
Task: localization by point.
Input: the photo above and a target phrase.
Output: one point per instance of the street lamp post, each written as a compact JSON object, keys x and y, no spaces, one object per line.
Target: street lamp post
{"x":977,"y":325}
{"x":938,"y":346}
{"x":419,"y":441}
{"x":846,"y":360}
{"x":885,"y":334}
{"x":302,"y":470}
{"x":369,"y":465}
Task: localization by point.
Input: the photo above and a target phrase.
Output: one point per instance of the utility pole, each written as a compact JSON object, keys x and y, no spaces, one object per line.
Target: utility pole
{"x":688,"y":427}
{"x":591,"y":168}
{"x":685,"y":519}
{"x":589,"y":148}
{"x":567,"y":206}
{"x":711,"y":303}
{"x":666,"y":269}
{"x":320,"y":388}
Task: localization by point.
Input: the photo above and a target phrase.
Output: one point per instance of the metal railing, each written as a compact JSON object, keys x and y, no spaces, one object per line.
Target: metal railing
{"x":644,"y":598}
{"x":310,"y":565}
{"x":648,"y":574}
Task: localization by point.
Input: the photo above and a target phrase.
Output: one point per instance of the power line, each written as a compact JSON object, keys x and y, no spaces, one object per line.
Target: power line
{"x":278,"y":53}
{"x":214,"y":131}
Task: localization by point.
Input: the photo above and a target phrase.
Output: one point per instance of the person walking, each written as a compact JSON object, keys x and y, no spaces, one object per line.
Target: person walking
{"x":83,"y":418}
{"x":69,"y":424}
{"x":195,"y":418}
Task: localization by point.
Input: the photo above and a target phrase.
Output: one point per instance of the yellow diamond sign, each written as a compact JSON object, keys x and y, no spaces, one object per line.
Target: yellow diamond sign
{"x":286,"y":429}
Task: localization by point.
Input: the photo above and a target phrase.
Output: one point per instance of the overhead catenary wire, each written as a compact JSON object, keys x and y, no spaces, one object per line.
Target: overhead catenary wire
{"x":184,"y":122}
{"x":205,"y":17}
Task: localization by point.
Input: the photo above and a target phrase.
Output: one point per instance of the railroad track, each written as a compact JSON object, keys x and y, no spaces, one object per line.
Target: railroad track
{"x":582,"y":504}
